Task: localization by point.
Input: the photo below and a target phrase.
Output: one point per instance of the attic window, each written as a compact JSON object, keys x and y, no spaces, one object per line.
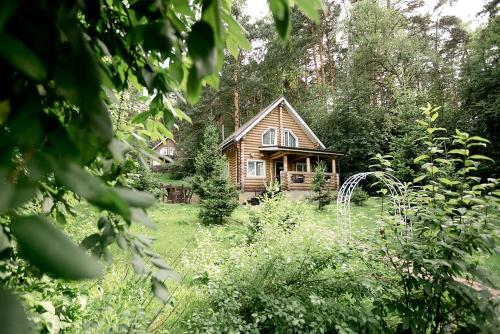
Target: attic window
{"x":269,"y":137}
{"x":290,"y":139}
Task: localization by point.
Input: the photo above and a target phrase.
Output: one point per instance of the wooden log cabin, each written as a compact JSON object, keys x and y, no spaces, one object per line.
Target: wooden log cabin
{"x":166,"y":150}
{"x":277,"y":145}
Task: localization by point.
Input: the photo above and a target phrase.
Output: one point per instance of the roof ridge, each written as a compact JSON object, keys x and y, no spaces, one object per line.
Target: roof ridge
{"x":242,"y":130}
{"x":245,"y":125}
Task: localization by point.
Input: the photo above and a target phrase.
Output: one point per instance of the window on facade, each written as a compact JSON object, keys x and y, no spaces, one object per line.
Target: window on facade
{"x":269,"y":137}
{"x":290,"y":139}
{"x":255,"y":168}
{"x":300,"y":167}
{"x":169,"y":151}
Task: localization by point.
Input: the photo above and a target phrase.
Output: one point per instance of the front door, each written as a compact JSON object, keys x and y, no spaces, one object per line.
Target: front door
{"x":278,"y":167}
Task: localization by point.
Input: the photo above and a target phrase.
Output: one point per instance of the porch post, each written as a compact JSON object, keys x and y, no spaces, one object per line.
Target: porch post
{"x":334,"y":167}
{"x":271,"y":170}
{"x":285,"y":163}
{"x":308,"y":164}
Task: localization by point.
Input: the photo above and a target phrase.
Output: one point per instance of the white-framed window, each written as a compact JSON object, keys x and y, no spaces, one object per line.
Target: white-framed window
{"x":300,"y":167}
{"x":256,"y":168}
{"x":269,"y":137}
{"x":291,"y":139}
{"x":167,"y":151}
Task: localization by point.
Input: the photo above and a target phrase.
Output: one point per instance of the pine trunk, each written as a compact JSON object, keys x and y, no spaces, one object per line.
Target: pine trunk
{"x":236,"y":102}
{"x":316,"y":69}
{"x":331,"y":64}
{"x":321,"y":50}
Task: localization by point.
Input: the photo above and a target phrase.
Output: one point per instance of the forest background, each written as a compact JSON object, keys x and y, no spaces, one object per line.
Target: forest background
{"x":360,"y":75}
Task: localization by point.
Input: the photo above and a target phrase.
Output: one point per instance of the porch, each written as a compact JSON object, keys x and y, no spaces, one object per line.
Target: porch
{"x":294,"y":168}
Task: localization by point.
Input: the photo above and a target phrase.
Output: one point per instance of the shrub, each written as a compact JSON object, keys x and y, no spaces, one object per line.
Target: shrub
{"x":453,"y":219}
{"x":286,"y":281}
{"x":274,"y":210}
{"x":141,"y":177}
{"x":359,"y":197}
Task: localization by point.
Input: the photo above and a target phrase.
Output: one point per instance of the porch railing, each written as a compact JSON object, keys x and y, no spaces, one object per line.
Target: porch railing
{"x":304,"y":180}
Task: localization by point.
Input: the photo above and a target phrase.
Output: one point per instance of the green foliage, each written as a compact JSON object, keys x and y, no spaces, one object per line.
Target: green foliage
{"x":453,"y":218}
{"x":479,"y":94}
{"x":286,"y":281}
{"x":419,"y":278}
{"x":274,"y":210}
{"x":211,"y":183}
{"x":141,"y":177}
{"x":62,"y":64}
{"x":322,"y":193}
{"x":359,"y":197}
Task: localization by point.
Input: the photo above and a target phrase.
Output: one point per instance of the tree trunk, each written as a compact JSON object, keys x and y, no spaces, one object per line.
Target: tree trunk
{"x":331,"y":63}
{"x":236,"y":102}
{"x":316,"y":69}
{"x":320,"y":47}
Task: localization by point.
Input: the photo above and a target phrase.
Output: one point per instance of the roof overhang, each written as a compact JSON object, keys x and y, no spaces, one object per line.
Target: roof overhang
{"x":164,"y":140}
{"x":298,"y":150}
{"x":294,"y":114}
{"x":243,"y":130}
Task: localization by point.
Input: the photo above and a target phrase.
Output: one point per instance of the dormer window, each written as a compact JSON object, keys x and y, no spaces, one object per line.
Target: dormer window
{"x":290,"y":139}
{"x":269,"y":137}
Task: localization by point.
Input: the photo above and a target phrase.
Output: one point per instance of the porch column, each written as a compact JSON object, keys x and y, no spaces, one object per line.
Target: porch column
{"x":271,"y":170}
{"x":334,"y":167}
{"x":308,"y":164}
{"x":285,"y":163}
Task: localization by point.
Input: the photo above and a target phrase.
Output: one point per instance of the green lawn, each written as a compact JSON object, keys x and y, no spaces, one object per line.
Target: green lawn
{"x":166,"y":178}
{"x":121,"y":290}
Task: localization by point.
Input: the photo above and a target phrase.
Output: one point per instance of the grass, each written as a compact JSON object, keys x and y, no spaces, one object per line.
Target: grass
{"x":167,"y":178}
{"x":176,"y":233}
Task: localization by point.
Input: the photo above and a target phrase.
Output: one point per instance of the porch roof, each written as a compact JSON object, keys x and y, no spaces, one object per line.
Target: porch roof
{"x":297,"y":150}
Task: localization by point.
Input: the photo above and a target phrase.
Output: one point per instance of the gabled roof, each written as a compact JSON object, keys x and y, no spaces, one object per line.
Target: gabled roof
{"x":164,"y":140}
{"x":243,"y":130}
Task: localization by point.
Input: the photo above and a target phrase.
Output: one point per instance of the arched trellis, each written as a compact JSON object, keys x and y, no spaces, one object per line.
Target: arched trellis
{"x":398,"y":198}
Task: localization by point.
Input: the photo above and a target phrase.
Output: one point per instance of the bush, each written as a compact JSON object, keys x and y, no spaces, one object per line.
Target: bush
{"x":286,"y":281}
{"x":359,"y":197}
{"x":277,"y":211}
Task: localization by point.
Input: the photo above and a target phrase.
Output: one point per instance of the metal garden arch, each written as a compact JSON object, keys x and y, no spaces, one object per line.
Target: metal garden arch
{"x":398,"y":197}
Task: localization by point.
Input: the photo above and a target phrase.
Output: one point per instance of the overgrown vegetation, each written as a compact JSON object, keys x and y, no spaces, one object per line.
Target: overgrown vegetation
{"x":69,"y":114}
{"x":419,"y":277}
{"x":87,"y":86}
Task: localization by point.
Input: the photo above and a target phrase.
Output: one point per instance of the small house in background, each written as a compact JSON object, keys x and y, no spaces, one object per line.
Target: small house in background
{"x":167,"y":150}
{"x":277,"y":145}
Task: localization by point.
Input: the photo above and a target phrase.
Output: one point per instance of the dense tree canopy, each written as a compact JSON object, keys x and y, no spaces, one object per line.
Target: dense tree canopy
{"x":359,"y":76}
{"x":64,"y":66}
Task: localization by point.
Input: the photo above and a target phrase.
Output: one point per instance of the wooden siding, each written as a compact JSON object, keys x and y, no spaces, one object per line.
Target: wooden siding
{"x":232,"y":158}
{"x":281,"y":119}
{"x":252,"y":143}
{"x":290,"y":123}
{"x":248,"y":148}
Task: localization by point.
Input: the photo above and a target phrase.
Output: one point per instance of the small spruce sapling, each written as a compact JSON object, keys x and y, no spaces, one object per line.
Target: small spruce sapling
{"x":322,"y":193}
{"x":218,"y":196}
